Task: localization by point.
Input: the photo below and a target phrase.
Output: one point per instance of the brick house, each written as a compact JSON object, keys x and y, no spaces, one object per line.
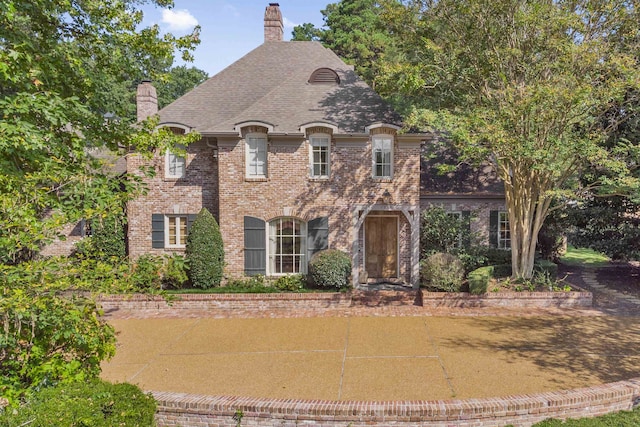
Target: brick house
{"x":297,"y":155}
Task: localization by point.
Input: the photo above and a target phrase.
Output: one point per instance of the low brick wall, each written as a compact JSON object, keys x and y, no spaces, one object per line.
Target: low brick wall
{"x":574,"y":299}
{"x":413,"y":302}
{"x":177,"y":409}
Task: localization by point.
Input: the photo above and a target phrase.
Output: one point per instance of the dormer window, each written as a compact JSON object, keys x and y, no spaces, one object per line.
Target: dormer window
{"x":320,"y":155}
{"x":324,"y":76}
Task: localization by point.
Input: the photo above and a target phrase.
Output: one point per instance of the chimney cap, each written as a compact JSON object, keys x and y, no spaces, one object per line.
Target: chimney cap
{"x":274,"y":4}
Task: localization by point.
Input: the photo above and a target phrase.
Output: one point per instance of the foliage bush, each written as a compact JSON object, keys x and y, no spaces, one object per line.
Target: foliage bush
{"x":290,"y":283}
{"x":107,"y":239}
{"x":205,"y":251}
{"x":610,"y":225}
{"x":442,"y":232}
{"x":95,"y":403}
{"x":330,"y":268}
{"x":175,"y":272}
{"x":442,"y":272}
{"x":479,"y":280}
{"x":546,"y":267}
{"x":48,"y":339}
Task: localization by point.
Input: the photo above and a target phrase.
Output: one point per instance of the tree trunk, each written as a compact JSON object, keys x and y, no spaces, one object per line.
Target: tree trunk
{"x":528,"y":202}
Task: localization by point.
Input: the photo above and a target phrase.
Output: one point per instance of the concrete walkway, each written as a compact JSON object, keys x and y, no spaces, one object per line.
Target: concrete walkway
{"x":375,"y":358}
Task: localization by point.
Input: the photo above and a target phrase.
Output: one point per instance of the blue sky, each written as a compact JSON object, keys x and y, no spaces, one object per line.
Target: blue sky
{"x":230,"y":28}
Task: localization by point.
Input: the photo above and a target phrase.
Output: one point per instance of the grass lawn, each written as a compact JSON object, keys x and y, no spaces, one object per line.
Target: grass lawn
{"x":585,"y":257}
{"x":619,"y":419}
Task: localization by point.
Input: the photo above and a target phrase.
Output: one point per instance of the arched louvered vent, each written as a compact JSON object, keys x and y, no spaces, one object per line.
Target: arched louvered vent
{"x":324,"y":76}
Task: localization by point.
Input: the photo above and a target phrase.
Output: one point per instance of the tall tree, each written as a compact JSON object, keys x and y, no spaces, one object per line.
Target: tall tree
{"x":180,"y":80}
{"x":55,"y":58}
{"x":354,"y":30}
{"x":526,"y":84}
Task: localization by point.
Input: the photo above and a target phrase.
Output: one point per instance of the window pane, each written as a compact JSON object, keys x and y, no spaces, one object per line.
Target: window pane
{"x":183,"y":230}
{"x":172,"y":231}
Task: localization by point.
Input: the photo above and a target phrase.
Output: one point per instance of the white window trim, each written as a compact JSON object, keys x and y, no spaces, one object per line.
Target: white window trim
{"x":374,"y":139}
{"x":502,"y":242}
{"x":167,"y":244}
{"x":314,"y":142}
{"x":262,"y":136}
{"x":167,"y":164}
{"x":303,"y":247}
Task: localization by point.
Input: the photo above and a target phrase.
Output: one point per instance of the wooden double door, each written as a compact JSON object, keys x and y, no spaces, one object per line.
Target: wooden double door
{"x":381,"y":246}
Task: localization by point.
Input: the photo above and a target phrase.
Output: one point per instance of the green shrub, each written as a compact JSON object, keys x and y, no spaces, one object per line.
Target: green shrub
{"x":175,"y":272}
{"x":204,"y":251}
{"x":48,"y":339}
{"x":547,"y":267}
{"x":442,"y":232}
{"x":94,"y":403}
{"x":146,"y":273}
{"x":107,"y":239}
{"x":442,"y":272}
{"x":502,"y":270}
{"x":479,"y":280}
{"x":497,"y":256}
{"x":330,"y":268}
{"x":290,"y":283}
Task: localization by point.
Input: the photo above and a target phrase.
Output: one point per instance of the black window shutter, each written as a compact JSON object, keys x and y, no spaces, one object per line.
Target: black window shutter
{"x":493,"y":228}
{"x":157,"y":231}
{"x":466,"y":235}
{"x":190,"y":219}
{"x":317,"y":235}
{"x":255,"y":251}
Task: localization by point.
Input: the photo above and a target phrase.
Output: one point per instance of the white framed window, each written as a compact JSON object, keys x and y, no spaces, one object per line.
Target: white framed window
{"x":382,"y":148}
{"x":256,"y":155}
{"x":320,"y":156}
{"x":287,"y":246}
{"x":175,"y":231}
{"x":504,"y":232}
{"x":175,"y":165}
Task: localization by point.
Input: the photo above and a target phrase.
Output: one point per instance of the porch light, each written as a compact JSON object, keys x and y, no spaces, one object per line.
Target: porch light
{"x":386,"y":197}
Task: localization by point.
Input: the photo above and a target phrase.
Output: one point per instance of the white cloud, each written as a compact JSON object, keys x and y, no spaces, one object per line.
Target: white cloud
{"x":287,"y":23}
{"x":178,"y":20}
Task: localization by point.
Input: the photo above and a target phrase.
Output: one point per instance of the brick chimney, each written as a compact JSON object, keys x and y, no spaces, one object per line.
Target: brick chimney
{"x":273,"y":28}
{"x":146,"y":100}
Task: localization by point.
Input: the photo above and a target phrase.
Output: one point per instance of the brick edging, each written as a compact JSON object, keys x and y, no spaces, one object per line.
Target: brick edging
{"x":414,"y":301}
{"x":181,"y":409}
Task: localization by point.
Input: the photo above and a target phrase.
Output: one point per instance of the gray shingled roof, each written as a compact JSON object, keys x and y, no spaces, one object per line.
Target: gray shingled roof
{"x":479,"y":180}
{"x":270,"y":84}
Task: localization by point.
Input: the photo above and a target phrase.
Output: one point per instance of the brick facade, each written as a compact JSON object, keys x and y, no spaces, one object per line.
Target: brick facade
{"x":188,"y":195}
{"x":289,"y":191}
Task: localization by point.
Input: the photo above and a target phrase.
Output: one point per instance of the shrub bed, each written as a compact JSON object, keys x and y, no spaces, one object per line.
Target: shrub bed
{"x":95,"y":403}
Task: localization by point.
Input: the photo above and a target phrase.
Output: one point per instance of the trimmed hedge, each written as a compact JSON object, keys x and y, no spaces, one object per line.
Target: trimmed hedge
{"x":330,"y":268}
{"x":204,"y":251}
{"x":94,"y":403}
{"x":479,"y":279}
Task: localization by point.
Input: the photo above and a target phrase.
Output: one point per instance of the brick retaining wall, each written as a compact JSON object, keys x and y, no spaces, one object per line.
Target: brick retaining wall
{"x":178,"y":409}
{"x":318,"y":304}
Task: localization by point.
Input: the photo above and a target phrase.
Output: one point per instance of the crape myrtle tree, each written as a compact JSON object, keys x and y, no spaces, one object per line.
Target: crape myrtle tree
{"x":527,"y":85}
{"x":56,"y":58}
